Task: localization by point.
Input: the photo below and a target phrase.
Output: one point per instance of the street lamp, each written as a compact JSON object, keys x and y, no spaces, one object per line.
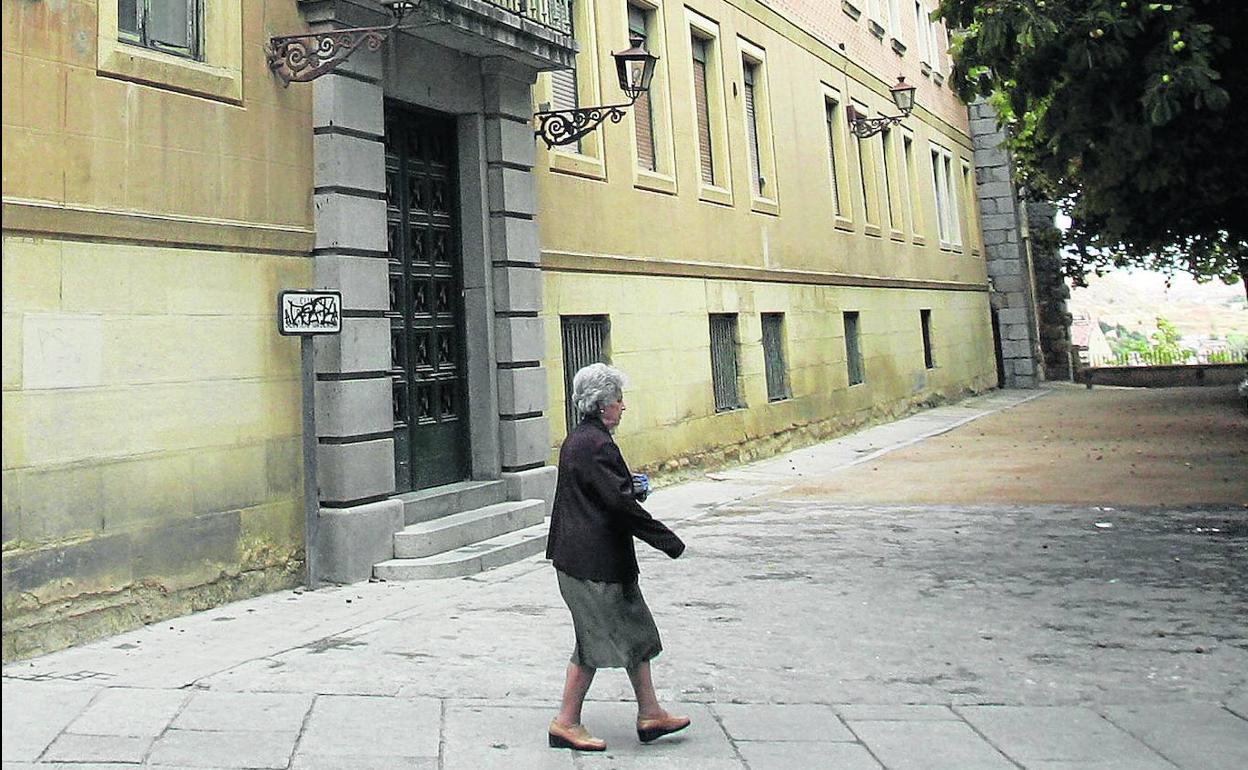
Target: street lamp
{"x":634,"y":67}
{"x":301,"y":58}
{"x":863,"y":127}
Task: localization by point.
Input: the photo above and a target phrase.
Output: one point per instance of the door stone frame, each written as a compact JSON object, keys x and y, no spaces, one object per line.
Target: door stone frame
{"x":490,"y":98}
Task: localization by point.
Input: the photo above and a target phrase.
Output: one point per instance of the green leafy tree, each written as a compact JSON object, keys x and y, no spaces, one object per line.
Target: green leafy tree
{"x":1130,"y":115}
{"x":1167,"y":344}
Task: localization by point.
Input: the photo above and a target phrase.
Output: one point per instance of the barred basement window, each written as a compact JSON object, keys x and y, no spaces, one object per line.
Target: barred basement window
{"x":773,"y":357}
{"x":724,"y":361}
{"x":170,"y":26}
{"x":853,"y":348}
{"x":585,"y":339}
{"x":925,"y":322}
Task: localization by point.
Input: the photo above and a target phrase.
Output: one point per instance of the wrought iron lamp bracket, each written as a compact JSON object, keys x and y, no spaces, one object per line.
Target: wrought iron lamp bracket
{"x":864,"y":127}
{"x":559,"y":127}
{"x":300,"y":58}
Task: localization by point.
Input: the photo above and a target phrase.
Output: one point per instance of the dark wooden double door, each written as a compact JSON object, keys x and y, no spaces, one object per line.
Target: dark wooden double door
{"x":427,"y":354}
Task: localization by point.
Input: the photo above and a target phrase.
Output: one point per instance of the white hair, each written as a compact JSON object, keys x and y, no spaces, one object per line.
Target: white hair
{"x":596,"y":386}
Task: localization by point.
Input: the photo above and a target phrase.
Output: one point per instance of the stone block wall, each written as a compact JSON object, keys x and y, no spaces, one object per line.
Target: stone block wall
{"x":1007,"y":254}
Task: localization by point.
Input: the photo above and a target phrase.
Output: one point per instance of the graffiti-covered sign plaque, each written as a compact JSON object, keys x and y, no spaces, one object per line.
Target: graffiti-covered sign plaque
{"x":309,"y":312}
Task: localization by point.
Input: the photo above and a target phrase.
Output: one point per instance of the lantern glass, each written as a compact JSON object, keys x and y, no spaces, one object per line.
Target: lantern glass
{"x":903,"y":95}
{"x":635,"y":67}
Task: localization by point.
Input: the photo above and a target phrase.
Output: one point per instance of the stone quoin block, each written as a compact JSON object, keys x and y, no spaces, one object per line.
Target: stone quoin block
{"x":513,"y":239}
{"x":522,"y":391}
{"x":517,"y":289}
{"x":346,"y":221}
{"x":363,"y":346}
{"x":363,"y":281}
{"x":524,"y":442}
{"x":356,"y":471}
{"x":348,"y":161}
{"x":519,"y":339}
{"x":354,"y":407}
{"x":349,"y":103}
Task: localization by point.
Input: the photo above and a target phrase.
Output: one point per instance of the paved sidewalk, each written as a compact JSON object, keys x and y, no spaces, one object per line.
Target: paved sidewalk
{"x":798,"y":634}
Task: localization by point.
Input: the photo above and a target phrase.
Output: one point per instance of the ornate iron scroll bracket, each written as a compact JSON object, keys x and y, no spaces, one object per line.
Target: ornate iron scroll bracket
{"x":558,"y":127}
{"x":864,"y":127}
{"x":300,"y":58}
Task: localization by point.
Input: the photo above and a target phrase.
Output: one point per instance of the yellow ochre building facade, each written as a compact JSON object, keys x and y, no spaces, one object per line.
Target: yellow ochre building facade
{"x":763,"y":276}
{"x":780,"y":233}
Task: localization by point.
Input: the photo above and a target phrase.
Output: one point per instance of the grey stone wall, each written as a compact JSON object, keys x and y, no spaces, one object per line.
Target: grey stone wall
{"x":1006,"y":252}
{"x":1051,"y":291}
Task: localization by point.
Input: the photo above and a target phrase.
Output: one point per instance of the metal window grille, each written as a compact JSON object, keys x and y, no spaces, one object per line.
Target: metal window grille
{"x":643,"y":116}
{"x":925,"y":322}
{"x":703,"y":105}
{"x":853,"y":348}
{"x":724,"y":361}
{"x":171,"y":26}
{"x":829,"y":108}
{"x":750,"y":70}
{"x":584,"y":343}
{"x":773,"y":357}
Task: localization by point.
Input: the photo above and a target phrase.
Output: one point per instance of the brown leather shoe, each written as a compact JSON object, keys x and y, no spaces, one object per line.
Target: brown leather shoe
{"x":649,"y":729}
{"x":574,"y":737}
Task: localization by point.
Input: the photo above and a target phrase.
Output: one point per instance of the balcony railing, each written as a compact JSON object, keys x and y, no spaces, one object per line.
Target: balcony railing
{"x":554,"y":14}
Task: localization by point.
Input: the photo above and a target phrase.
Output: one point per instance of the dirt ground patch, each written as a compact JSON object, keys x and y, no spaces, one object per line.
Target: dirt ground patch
{"x":1105,"y":446}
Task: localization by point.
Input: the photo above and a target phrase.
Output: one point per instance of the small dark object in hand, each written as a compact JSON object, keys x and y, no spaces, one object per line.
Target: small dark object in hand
{"x":641,"y":487}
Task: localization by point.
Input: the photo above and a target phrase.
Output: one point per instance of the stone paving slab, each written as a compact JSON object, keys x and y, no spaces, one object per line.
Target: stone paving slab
{"x":71,"y":747}
{"x":762,"y":755}
{"x":35,"y":713}
{"x":1055,"y":733}
{"x":244,"y":712}
{"x":130,"y":711}
{"x":865,"y":712}
{"x":355,"y":726}
{"x":234,"y":749}
{"x":930,"y":745}
{"x":790,"y":722}
{"x":1203,"y":736}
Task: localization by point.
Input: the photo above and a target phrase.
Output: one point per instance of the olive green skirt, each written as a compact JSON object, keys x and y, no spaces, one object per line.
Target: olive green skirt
{"x":614,"y":627}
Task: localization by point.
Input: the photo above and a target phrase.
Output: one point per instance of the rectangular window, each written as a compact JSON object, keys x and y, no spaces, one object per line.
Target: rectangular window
{"x":866,"y":179}
{"x":894,"y":18}
{"x":171,"y":26}
{"x":921,"y":24}
{"x":585,"y":339}
{"x":702,"y":104}
{"x":886,"y":173}
{"x":643,"y":115}
{"x":750,"y":70}
{"x":830,"y":113}
{"x":724,"y":361}
{"x":912,"y":186}
{"x":941,"y":193}
{"x":951,"y":194}
{"x":853,"y":348}
{"x":925,"y":323}
{"x":973,"y":231}
{"x":564,"y":90}
{"x":773,"y":357}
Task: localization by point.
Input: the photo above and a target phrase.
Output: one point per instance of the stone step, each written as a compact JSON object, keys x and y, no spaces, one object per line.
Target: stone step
{"x":459,"y":529}
{"x":468,"y":559}
{"x":436,"y":502}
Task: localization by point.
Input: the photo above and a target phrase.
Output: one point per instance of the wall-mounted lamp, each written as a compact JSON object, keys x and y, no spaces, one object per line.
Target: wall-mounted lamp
{"x":306,"y":57}
{"x":863,"y":127}
{"x":635,"y":69}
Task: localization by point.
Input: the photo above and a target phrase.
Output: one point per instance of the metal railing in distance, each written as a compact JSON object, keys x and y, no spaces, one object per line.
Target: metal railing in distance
{"x":1169,"y":358}
{"x":555,"y":14}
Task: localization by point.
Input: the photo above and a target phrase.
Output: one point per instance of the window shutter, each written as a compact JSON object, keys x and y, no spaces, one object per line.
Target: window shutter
{"x":643,"y":118}
{"x":751,"y":125}
{"x":704,"y":111}
{"x":645,"y":132}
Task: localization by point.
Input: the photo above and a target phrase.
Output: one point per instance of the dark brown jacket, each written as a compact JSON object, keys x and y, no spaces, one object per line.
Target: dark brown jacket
{"x":595,"y":517}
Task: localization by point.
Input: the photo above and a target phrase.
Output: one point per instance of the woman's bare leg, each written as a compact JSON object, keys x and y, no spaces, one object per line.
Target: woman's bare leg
{"x":643,"y":686}
{"x":575,"y":686}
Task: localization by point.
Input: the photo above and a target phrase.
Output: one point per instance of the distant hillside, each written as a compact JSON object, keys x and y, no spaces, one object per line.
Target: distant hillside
{"x":1135,"y":299}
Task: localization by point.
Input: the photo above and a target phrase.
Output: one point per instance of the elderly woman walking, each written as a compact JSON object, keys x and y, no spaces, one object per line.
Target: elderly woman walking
{"x":596,"y":516}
